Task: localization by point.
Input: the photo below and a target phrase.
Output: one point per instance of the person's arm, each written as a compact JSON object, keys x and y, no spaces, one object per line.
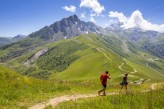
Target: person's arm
{"x":108,"y":77}
{"x":127,"y":79}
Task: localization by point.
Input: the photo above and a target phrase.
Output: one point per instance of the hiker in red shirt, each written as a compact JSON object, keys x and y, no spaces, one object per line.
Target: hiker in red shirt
{"x":103,"y":79}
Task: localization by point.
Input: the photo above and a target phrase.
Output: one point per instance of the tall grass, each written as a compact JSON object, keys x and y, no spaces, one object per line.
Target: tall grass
{"x":17,"y":90}
{"x":146,"y":100}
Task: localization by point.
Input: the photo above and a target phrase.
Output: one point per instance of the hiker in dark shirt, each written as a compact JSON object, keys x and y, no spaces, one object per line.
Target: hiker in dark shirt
{"x":124,"y":82}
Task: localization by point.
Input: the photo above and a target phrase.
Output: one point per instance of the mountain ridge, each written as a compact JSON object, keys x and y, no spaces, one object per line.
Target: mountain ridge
{"x":7,"y":40}
{"x":59,"y":52}
{"x":72,"y":26}
{"x":66,"y":28}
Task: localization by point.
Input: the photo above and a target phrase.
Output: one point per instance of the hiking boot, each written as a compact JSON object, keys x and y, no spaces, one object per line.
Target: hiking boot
{"x":104,"y":94}
{"x":98,"y":92}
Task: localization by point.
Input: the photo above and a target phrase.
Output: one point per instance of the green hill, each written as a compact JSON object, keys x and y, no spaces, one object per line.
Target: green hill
{"x":21,"y":91}
{"x":4,"y":41}
{"x":85,"y":57}
{"x":105,"y":53}
{"x":73,"y":66}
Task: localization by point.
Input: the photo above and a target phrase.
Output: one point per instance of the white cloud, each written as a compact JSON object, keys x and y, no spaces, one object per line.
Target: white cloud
{"x":94,"y":5}
{"x":71,"y":8}
{"x":136,"y":20}
{"x":82,"y":15}
{"x":118,"y":15}
{"x":92,"y":14}
{"x":92,"y":20}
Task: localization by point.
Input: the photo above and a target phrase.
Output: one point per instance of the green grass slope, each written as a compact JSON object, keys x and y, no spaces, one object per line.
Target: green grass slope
{"x":148,"y":100}
{"x":85,"y":57}
{"x":73,"y":66}
{"x":98,"y":57}
{"x":17,"y":91}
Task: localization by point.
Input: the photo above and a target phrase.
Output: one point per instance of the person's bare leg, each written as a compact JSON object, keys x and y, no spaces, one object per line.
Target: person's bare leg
{"x":101,"y":91}
{"x":126,"y":88}
{"x":121,"y":88}
{"x":104,"y":91}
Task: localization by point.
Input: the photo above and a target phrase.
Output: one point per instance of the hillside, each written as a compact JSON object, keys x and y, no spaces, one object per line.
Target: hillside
{"x":147,"y":41}
{"x":4,"y":41}
{"x":156,"y":48}
{"x":106,"y":54}
{"x":85,"y":57}
{"x":18,"y":91}
{"x":51,"y":65}
{"x":66,"y":28}
{"x":57,"y":52}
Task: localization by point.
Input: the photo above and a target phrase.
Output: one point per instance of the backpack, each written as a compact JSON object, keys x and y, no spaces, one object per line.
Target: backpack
{"x":102,"y":77}
{"x":121,"y":83}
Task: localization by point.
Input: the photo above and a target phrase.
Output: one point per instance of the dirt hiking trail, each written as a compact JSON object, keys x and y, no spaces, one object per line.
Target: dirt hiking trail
{"x":55,"y":101}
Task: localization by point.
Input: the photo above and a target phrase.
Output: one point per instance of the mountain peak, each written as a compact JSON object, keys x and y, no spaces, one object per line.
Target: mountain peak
{"x":66,"y":28}
{"x":73,"y":18}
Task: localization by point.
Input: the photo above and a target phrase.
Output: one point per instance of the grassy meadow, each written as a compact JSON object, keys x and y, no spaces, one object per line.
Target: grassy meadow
{"x":18,"y":91}
{"x":145,"y":100}
{"x":73,"y":66}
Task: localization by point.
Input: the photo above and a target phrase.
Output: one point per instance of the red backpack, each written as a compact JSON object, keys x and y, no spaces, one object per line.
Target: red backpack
{"x":102,"y":77}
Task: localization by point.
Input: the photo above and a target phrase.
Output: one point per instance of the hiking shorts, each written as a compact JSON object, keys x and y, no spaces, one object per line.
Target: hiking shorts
{"x":104,"y":85}
{"x":123,"y":83}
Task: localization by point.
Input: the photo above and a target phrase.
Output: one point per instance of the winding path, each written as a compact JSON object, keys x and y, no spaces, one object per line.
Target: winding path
{"x":120,"y":67}
{"x":55,"y":101}
{"x":103,"y":53}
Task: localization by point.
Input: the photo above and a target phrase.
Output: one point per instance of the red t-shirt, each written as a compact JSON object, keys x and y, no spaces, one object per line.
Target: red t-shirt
{"x":104,"y":78}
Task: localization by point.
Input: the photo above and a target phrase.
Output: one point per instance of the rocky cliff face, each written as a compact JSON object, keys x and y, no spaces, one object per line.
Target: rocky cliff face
{"x":66,"y":28}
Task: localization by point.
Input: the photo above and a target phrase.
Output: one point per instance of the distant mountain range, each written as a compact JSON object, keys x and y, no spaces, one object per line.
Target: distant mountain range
{"x":72,"y":45}
{"x":8,"y":40}
{"x":149,"y":41}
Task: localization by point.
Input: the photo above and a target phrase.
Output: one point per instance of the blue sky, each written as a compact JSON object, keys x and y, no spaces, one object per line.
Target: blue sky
{"x":27,"y":16}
